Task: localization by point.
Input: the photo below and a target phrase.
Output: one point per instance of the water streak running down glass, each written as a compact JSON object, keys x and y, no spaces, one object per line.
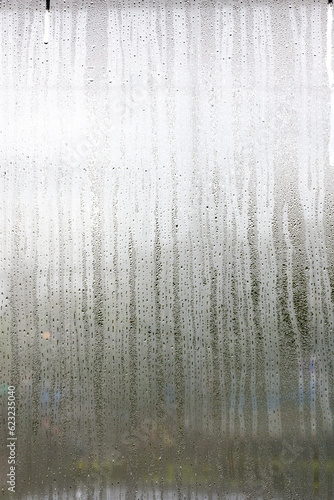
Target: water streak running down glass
{"x":167,"y":278}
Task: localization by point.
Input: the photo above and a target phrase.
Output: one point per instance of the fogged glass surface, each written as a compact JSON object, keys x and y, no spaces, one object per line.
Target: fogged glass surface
{"x":167,"y":250}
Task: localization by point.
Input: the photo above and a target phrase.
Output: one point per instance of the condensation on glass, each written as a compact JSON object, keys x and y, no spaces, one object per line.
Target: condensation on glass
{"x":167,"y":252}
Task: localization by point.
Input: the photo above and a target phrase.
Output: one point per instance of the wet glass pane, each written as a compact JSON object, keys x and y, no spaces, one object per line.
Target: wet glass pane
{"x":167,"y":258}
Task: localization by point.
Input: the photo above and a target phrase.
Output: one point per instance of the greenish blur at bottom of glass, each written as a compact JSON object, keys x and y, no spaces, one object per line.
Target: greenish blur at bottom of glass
{"x":206,"y":466}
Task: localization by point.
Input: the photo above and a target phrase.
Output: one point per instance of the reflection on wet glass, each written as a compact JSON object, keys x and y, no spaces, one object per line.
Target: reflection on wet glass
{"x":167,"y":262}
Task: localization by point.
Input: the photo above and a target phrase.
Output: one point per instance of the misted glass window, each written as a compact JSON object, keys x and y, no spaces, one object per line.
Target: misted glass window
{"x":166,"y":246}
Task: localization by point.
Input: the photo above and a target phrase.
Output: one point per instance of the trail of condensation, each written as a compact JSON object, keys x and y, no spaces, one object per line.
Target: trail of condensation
{"x":264,"y":69}
{"x":319,"y":278}
{"x":46,"y":26}
{"x":330,"y":79}
{"x":311,"y":166}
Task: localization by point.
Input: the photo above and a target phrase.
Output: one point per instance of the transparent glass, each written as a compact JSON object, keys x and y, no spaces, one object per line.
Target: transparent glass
{"x":166,"y":298}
